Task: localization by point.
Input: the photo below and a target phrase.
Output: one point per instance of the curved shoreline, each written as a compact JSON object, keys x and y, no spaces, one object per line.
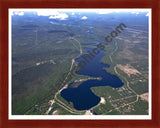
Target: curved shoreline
{"x":82,"y":97}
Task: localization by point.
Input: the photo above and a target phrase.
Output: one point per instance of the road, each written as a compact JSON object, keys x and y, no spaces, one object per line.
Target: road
{"x":115,"y":69}
{"x":60,"y":103}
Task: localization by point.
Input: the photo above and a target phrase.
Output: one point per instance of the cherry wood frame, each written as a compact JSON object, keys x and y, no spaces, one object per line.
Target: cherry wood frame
{"x":6,"y":4}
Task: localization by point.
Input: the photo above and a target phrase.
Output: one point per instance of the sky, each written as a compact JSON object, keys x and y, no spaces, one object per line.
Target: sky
{"x":62,"y":13}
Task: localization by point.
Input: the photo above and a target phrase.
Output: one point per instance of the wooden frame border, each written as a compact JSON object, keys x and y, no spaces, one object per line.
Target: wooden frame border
{"x":6,"y":4}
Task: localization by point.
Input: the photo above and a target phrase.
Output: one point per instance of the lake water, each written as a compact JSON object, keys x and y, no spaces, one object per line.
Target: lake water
{"x":82,"y":97}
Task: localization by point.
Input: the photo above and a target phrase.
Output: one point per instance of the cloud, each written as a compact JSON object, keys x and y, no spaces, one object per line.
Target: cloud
{"x":18,"y":13}
{"x":54,"y":14}
{"x":73,"y":13}
{"x":46,"y":12}
{"x":147,"y":14}
{"x":61,"y":16}
{"x":84,"y":18}
{"x":51,"y":17}
{"x":133,"y":11}
{"x":104,"y":12}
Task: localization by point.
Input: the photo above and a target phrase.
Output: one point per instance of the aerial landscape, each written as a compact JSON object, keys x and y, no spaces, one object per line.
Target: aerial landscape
{"x":80,"y":62}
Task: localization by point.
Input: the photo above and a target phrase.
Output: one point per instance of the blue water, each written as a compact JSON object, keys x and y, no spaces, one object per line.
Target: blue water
{"x":82,"y":97}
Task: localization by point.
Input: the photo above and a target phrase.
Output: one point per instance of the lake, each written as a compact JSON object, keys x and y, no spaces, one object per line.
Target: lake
{"x":82,"y":97}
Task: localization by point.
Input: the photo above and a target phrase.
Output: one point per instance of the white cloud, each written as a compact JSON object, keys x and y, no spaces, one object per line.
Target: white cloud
{"x":104,"y":12}
{"x":61,"y":16}
{"x":18,"y":13}
{"x":51,"y":17}
{"x":84,"y":18}
{"x":46,"y":12}
{"x":62,"y":13}
{"x":147,"y":14}
{"x":54,"y":14}
{"x":135,"y":12}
